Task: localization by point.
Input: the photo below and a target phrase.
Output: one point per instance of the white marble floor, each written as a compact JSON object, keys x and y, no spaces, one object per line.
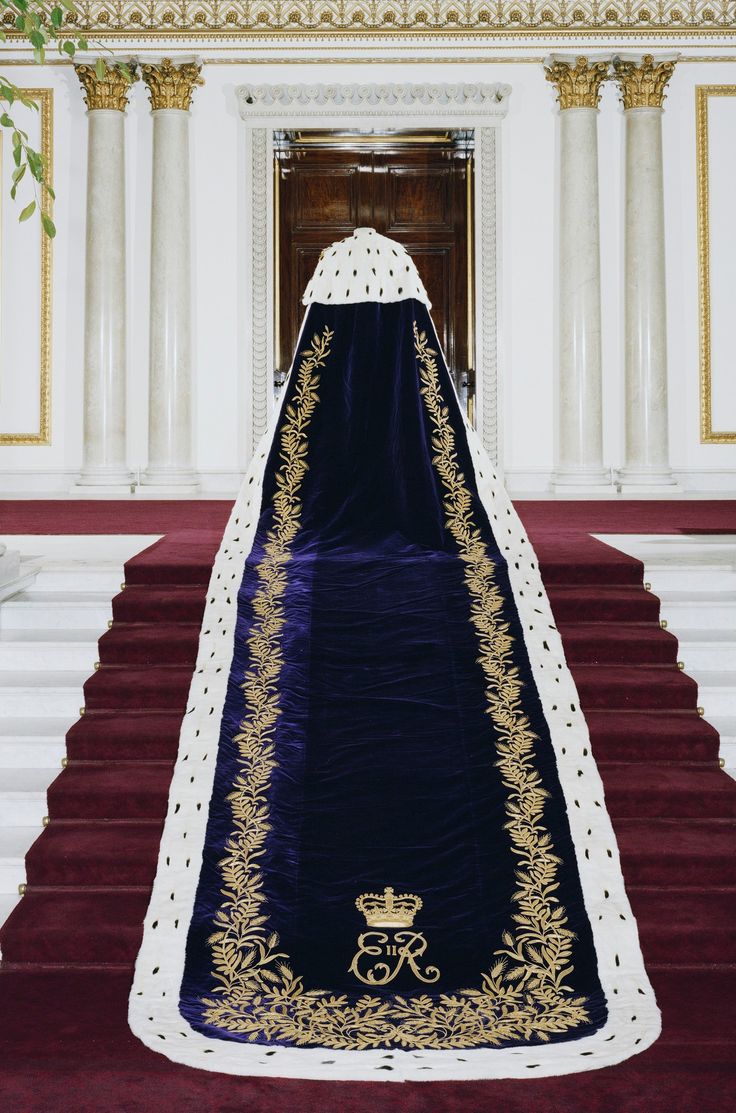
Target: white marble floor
{"x":50,"y":621}
{"x":694,"y":576}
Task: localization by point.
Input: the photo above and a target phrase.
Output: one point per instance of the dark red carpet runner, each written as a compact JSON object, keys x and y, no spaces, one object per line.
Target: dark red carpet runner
{"x":69,"y":946}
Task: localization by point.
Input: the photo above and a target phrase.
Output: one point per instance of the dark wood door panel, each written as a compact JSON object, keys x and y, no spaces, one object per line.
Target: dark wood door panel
{"x":435,"y":266}
{"x":419,"y":199}
{"x":304,"y":264}
{"x":325,"y":197}
{"x":416,"y":194}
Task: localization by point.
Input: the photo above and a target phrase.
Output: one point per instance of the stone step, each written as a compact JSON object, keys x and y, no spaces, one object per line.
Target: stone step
{"x":51,"y":620}
{"x":58,"y":610}
{"x":666,"y":549}
{"x":14,"y":845}
{"x":690,"y":609}
{"x":78,"y":576}
{"x":28,"y":751}
{"x":35,"y":726}
{"x":8,"y":901}
{"x":41,"y":693}
{"x":47,"y":652}
{"x":23,"y":582}
{"x":716,"y":691}
{"x":691,"y":577}
{"x":23,"y":800}
{"x":726,"y":727}
{"x":34,"y":635}
{"x":706,"y":649}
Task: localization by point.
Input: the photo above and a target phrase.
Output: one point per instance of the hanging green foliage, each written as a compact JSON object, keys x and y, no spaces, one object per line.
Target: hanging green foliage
{"x":43,"y":26}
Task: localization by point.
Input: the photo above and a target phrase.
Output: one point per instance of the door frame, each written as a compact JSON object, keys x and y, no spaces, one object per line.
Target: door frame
{"x":267,"y":108}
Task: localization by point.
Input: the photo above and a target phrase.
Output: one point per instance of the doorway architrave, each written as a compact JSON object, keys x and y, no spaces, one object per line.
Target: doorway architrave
{"x":265,"y":109}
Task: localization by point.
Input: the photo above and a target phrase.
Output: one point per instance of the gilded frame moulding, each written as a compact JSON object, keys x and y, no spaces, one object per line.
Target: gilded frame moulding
{"x":702,"y":95}
{"x":307,"y":19}
{"x":45,"y":99}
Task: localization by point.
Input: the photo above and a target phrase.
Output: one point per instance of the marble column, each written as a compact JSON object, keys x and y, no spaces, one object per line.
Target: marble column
{"x":170,"y":465}
{"x":104,"y":466}
{"x":642,"y":82}
{"x":580,"y":420}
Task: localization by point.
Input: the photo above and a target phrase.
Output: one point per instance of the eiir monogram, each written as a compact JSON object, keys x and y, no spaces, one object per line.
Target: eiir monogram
{"x":387,"y":910}
{"x":406,"y":947}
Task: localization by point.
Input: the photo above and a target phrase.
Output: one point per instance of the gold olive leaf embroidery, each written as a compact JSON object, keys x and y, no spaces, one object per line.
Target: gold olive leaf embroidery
{"x":542,"y":948}
{"x":524,"y":996}
{"x":239,"y":948}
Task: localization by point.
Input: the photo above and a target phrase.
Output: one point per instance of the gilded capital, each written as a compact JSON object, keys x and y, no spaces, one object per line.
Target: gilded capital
{"x":642,"y":84}
{"x":578,"y":85}
{"x":171,"y":85}
{"x":109,"y":91}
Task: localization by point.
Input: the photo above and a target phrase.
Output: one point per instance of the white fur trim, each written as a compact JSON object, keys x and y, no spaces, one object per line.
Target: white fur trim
{"x":365,"y":267}
{"x":633,"y":1022}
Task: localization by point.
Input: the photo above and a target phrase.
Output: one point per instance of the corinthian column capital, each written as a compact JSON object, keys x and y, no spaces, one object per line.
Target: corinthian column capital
{"x":170,"y":84}
{"x":578,"y":82}
{"x":109,"y":91}
{"x":642,"y":81}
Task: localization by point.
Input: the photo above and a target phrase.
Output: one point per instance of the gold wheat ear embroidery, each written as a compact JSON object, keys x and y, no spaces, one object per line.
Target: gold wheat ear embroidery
{"x":523,"y":997}
{"x":541,"y":949}
{"x":240,"y":951}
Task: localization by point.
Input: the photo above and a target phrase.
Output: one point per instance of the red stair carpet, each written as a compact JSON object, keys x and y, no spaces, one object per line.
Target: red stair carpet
{"x":70,"y":944}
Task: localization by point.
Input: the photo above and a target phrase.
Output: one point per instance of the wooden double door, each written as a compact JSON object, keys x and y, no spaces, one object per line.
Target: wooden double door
{"x":415,"y":189}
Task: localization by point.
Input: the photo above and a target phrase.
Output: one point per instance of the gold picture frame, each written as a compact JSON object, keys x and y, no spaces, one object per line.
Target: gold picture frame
{"x":708,"y":435}
{"x":45,"y":99}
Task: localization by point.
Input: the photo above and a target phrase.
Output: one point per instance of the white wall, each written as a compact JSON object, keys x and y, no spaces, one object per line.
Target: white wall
{"x":527,"y":281}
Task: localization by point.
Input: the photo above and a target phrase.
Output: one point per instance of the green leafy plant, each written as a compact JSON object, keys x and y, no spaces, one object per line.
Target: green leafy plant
{"x":43,"y":26}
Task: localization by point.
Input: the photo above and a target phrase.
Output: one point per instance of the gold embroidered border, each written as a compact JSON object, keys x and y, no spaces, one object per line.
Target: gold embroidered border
{"x":240,"y":953}
{"x":524,"y":995}
{"x":542,"y":947}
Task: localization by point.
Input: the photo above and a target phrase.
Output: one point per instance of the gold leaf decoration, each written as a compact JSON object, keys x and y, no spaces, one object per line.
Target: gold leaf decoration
{"x":171,"y":84}
{"x":578,"y":86}
{"x":642,"y":84}
{"x":109,"y":91}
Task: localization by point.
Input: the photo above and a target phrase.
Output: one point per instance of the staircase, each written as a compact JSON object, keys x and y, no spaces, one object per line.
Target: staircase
{"x":674,"y":811}
{"x":695,"y":579}
{"x":48,"y":647}
{"x":88,"y":876}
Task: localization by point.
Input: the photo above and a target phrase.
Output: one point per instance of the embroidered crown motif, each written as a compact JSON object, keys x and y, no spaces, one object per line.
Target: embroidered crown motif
{"x":388,"y":910}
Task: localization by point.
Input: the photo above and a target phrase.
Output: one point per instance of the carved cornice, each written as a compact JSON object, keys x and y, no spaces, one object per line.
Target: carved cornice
{"x":171,"y":84}
{"x":110,"y":91}
{"x":259,"y":101}
{"x":578,"y":84}
{"x":642,"y":82}
{"x":308,"y":18}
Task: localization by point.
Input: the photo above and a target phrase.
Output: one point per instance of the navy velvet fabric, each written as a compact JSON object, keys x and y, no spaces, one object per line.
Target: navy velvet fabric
{"x":385,"y":749}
